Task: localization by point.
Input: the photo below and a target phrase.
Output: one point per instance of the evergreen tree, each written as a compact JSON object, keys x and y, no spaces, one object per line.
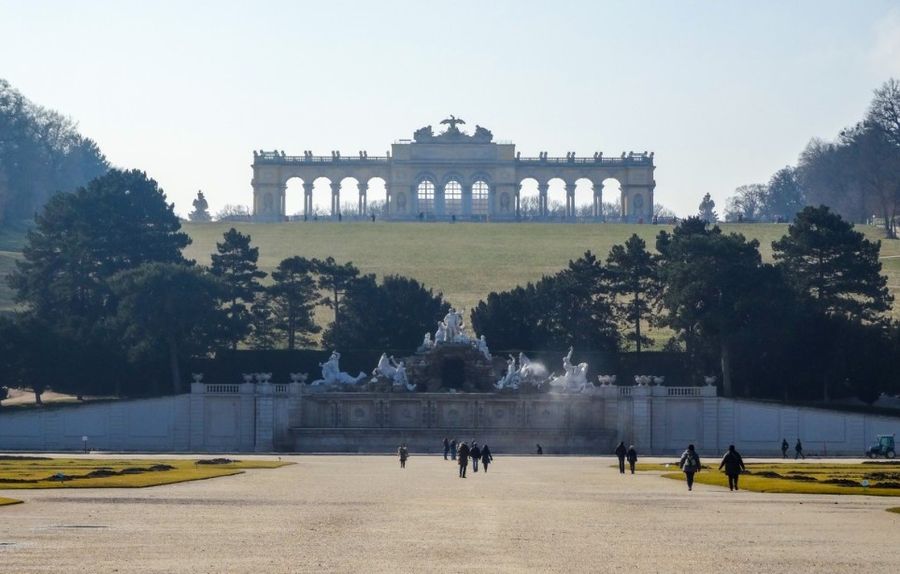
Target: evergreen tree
{"x":633,"y":280}
{"x":335,"y":279}
{"x":168,"y":310}
{"x":708,"y":210}
{"x":292,"y":299}
{"x":833,"y":265}
{"x":784,"y":196}
{"x":390,"y":316}
{"x":234,"y":263}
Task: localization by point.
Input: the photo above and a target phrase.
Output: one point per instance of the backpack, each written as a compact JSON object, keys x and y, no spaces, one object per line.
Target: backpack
{"x":690,"y":461}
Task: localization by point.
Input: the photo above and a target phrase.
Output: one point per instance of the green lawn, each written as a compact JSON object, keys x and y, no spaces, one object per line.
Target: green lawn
{"x":38,"y":472}
{"x":799,"y":478}
{"x":465,"y":261}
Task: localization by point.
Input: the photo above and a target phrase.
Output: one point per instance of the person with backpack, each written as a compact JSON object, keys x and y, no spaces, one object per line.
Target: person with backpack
{"x":462,"y":455}
{"x":486,"y":457}
{"x":733,"y":464}
{"x":631,"y":455}
{"x":453,"y":449}
{"x":446,"y":448}
{"x":621,"y":451}
{"x":689,"y":464}
{"x":784,"y":448}
{"x":475,"y":453}
{"x":403,"y":452}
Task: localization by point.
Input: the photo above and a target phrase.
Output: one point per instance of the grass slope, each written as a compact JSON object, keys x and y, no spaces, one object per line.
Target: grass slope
{"x":39,"y":470}
{"x":465,"y":261}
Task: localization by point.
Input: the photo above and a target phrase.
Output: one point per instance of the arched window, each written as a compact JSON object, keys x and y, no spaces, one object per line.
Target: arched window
{"x":425,"y":197}
{"x":453,"y":198}
{"x":480,"y":198}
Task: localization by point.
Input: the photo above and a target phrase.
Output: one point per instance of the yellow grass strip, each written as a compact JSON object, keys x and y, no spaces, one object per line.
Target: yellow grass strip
{"x":9,"y":501}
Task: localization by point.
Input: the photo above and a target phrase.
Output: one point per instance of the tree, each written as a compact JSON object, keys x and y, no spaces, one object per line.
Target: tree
{"x":336,"y":279}
{"x":31,"y":355}
{"x":747,"y":204}
{"x":884,"y":111}
{"x":633,"y":280}
{"x":873,"y":165}
{"x":168,"y":310}
{"x":784,"y":195}
{"x":41,"y":153}
{"x":234,"y":263}
{"x":708,"y":209}
{"x":834,"y":266}
{"x":389,"y":316}
{"x":233,"y":213}
{"x":509,"y":319}
{"x":708,"y":278}
{"x":119,"y":221}
{"x":292,"y":299}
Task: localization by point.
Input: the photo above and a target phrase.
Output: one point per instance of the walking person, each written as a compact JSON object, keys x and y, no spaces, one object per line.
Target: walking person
{"x":690,"y":464}
{"x":798,"y":449}
{"x":733,"y":464}
{"x":621,"y":451}
{"x":486,"y":457}
{"x":540,"y":449}
{"x":631,"y":455}
{"x":453,"y":449}
{"x":404,"y":454}
{"x":475,"y":453}
{"x":446,"y":448}
{"x":784,"y":448}
{"x":462,"y":456}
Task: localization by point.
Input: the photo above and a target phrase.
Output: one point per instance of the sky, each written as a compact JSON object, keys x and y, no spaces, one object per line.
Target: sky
{"x":724,"y":92}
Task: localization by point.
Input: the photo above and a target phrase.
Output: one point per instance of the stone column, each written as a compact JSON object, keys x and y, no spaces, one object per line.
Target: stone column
{"x":570,"y":199}
{"x":265,"y":417}
{"x":519,"y":201}
{"x":710,"y":419}
{"x":642,"y":415}
{"x":307,"y":199}
{"x":363,"y":197}
{"x":542,"y":199}
{"x":335,"y":198}
{"x":248,"y":418}
{"x":197,"y":410}
{"x":467,"y":200}
{"x":438,"y":200}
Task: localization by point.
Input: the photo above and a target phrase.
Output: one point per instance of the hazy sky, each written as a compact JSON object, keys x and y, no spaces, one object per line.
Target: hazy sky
{"x":724,"y":92}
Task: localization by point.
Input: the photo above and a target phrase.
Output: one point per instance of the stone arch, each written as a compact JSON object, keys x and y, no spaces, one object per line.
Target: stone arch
{"x":320,"y":202}
{"x":425,"y":190}
{"x":349,"y":200}
{"x":453,"y":197}
{"x":529,"y":198}
{"x":584,"y":196}
{"x":556,"y":197}
{"x":294,"y":197}
{"x":481,"y":192}
{"x":611,"y":191}
{"x":376,"y":197}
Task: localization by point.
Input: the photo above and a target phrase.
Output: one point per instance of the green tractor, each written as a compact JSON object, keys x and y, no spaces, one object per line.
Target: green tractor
{"x":884,"y":446}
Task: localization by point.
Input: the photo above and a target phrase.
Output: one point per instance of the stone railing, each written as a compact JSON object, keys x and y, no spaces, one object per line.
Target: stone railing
{"x":684,"y":391}
{"x":222,"y":389}
{"x":281,"y":389}
{"x":637,"y":159}
{"x":625,"y":391}
{"x":279,"y":159}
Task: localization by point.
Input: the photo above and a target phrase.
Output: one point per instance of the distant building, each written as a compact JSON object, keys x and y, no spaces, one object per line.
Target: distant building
{"x":453,"y":175}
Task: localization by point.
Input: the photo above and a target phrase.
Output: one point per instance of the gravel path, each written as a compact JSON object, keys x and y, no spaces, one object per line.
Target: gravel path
{"x":364,"y":514}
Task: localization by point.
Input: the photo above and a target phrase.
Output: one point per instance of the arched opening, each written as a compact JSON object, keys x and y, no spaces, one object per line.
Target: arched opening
{"x":611,"y":208}
{"x":584,"y":199}
{"x":294,"y":198}
{"x":453,"y":373}
{"x":349,"y":200}
{"x":556,"y":198}
{"x":321,"y":198}
{"x":529,"y":199}
{"x":376,"y":198}
{"x":425,"y":197}
{"x":480,"y":193}
{"x":453,"y":198}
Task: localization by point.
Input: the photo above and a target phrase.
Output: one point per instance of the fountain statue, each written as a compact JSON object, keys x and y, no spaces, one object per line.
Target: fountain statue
{"x":395,"y":372}
{"x":332,"y":375}
{"x":526,"y":372}
{"x":574,"y":378}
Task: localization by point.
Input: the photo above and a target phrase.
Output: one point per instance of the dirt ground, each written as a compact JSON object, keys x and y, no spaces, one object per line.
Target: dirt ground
{"x":365,"y":514}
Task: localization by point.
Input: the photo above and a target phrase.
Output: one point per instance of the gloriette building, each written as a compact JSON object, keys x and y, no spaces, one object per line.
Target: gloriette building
{"x":452,"y":175}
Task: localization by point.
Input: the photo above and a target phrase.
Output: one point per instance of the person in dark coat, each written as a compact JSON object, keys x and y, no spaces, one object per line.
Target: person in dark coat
{"x":631,"y":455}
{"x":733,"y":464}
{"x":784,"y":448}
{"x":486,"y":457}
{"x":798,"y":448}
{"x":621,"y":451}
{"x":462,"y":455}
{"x":690,"y":464}
{"x":453,"y":449}
{"x":540,"y":449}
{"x":446,"y":448}
{"x":475,"y":454}
{"x":403,"y":452}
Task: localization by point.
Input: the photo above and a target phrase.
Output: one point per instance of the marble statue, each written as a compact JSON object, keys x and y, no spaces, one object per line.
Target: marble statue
{"x":574,"y":377}
{"x":332,"y":375}
{"x":526,"y":372}
{"x":385,"y":367}
{"x":481,"y":345}
{"x":427,"y":343}
{"x":511,"y":379}
{"x":440,"y":336}
{"x":453,"y":324}
{"x":400,"y":379}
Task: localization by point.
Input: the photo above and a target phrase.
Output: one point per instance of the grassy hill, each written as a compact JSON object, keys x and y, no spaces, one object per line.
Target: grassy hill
{"x":465,"y":261}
